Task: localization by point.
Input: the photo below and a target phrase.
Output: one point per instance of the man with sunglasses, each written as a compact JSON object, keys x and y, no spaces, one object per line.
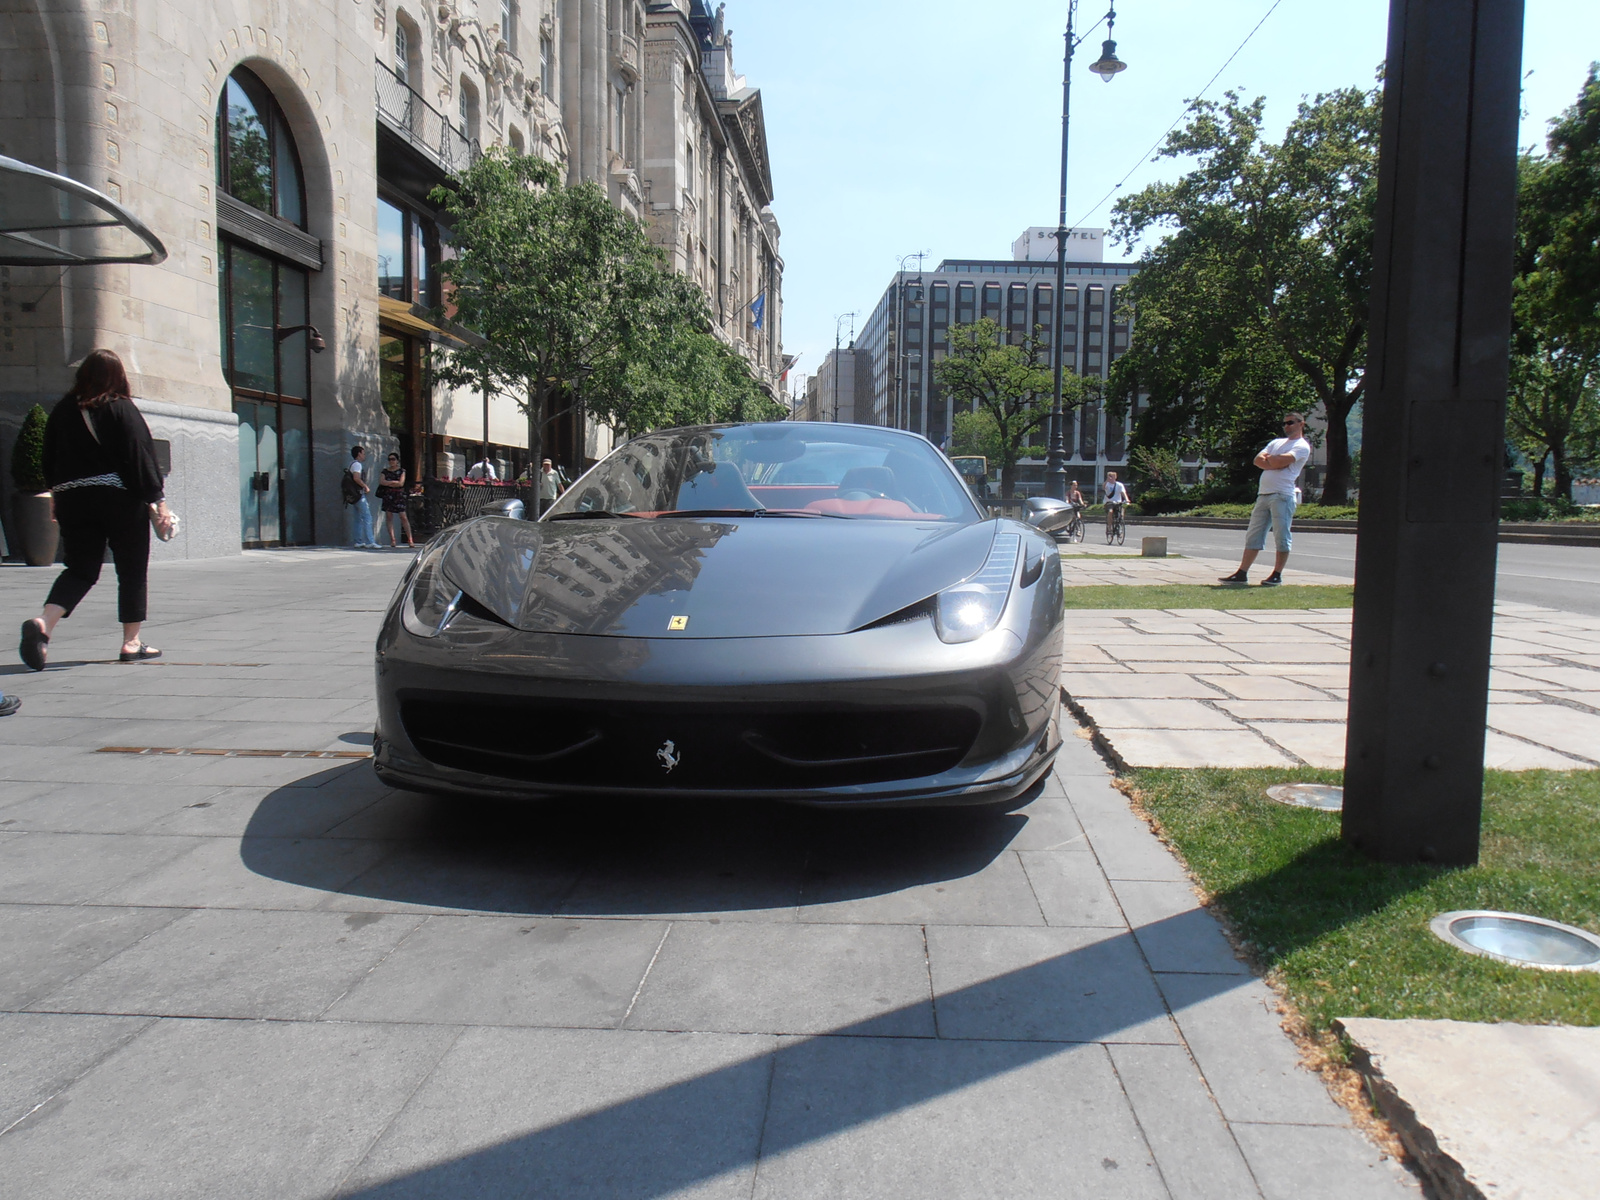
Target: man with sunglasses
{"x":1281,"y":463}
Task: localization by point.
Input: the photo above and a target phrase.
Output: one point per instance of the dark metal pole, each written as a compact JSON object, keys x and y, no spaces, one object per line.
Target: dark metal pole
{"x":1434,"y":428}
{"x":1055,"y":475}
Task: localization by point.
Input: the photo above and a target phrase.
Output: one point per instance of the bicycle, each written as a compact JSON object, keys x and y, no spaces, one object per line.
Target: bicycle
{"x":1074,"y":530}
{"x":1116,"y":526}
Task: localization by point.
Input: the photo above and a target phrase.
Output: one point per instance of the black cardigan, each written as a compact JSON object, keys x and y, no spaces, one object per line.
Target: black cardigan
{"x":124,"y":446}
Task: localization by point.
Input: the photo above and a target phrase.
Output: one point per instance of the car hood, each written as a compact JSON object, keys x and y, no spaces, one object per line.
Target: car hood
{"x":742,"y":577}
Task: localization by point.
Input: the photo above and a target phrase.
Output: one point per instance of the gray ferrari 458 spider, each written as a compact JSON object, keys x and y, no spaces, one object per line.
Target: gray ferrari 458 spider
{"x":799,"y":611}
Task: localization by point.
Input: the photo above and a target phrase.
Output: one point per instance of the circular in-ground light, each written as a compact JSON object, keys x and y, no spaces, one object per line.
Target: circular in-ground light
{"x":1519,"y":939}
{"x":1321,"y":796}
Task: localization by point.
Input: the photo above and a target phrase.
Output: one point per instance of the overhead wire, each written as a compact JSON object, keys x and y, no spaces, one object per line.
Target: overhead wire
{"x":1188,"y":108}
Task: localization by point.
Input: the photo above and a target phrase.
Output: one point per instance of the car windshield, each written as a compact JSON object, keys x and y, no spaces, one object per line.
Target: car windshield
{"x":790,"y":468}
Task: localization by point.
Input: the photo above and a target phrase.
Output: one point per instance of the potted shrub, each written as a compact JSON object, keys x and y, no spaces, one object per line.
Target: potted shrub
{"x":30,"y":507}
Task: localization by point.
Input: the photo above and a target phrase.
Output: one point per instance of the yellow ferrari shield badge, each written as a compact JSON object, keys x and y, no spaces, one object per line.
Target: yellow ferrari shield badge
{"x":677,"y":623}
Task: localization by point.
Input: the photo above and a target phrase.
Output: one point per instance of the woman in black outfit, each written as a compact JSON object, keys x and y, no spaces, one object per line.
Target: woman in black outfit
{"x":105,"y":488}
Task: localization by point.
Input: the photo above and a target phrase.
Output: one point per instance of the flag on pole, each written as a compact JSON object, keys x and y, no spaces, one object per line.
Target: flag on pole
{"x":758,"y":309}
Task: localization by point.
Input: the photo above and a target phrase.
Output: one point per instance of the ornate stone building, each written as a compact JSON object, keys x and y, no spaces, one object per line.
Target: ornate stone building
{"x":284,"y":152}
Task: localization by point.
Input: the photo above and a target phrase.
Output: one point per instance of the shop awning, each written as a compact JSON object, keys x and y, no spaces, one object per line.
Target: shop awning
{"x":49,"y":220}
{"x":414,"y":320}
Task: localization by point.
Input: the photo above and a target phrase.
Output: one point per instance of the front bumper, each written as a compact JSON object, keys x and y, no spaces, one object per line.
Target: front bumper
{"x":1008,"y":689}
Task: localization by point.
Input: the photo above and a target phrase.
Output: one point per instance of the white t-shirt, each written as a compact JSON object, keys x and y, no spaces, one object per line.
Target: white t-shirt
{"x":1280,"y":480}
{"x":482,"y":471}
{"x":1116,"y":493}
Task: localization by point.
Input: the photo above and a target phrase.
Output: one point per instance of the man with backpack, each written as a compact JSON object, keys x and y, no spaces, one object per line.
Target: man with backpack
{"x":353,"y":488}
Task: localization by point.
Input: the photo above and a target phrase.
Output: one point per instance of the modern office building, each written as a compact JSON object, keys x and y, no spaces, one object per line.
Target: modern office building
{"x":285,"y":155}
{"x":832,"y":393}
{"x":908,"y":329}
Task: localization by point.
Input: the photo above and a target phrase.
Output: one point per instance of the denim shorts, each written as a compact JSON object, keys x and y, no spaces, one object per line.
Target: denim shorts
{"x":1275,"y":509}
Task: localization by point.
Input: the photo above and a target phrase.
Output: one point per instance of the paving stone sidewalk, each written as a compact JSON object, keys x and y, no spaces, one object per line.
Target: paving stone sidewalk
{"x":1267,"y":687}
{"x":273,"y":977}
{"x":1087,"y":564}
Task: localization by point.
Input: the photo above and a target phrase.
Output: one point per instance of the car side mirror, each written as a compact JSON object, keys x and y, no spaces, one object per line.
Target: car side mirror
{"x":513,"y":508}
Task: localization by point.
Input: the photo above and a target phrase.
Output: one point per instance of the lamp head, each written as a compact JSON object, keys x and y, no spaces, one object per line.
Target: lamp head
{"x":315,"y":339}
{"x":1108,"y":64}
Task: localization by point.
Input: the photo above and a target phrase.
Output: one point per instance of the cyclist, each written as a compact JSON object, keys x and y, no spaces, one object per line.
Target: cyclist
{"x":1116,"y":499}
{"x":1075,"y":498}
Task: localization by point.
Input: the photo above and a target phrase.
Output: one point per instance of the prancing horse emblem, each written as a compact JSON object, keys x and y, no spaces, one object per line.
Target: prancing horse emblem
{"x":667,"y":756}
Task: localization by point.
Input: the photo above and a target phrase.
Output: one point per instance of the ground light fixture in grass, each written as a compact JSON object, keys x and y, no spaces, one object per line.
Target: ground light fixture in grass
{"x":1308,"y":795}
{"x":1197,"y":595}
{"x":1344,"y":936}
{"x":1520,"y":940}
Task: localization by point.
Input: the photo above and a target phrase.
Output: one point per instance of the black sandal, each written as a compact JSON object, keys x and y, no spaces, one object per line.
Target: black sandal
{"x":34,"y":640}
{"x":142,"y":654}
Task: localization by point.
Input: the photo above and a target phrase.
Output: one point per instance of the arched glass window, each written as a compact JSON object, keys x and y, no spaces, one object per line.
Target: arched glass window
{"x":467,"y":110}
{"x":256,"y":158}
{"x":402,"y":53}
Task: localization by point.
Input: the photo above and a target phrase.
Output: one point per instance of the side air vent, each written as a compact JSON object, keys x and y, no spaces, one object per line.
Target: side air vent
{"x":911,"y":612}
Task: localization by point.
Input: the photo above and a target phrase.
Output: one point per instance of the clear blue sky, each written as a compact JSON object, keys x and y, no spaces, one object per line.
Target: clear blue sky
{"x":904,"y":125}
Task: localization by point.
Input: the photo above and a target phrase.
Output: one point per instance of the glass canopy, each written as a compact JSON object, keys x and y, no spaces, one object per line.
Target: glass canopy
{"x":50,"y":220}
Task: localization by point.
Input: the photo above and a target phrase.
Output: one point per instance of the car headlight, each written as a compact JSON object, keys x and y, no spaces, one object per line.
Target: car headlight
{"x":972,"y":608}
{"x":432,"y":599}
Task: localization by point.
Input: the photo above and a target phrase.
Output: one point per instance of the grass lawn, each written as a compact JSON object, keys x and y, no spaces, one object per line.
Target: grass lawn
{"x":1200,"y":595}
{"x":1345,"y":936}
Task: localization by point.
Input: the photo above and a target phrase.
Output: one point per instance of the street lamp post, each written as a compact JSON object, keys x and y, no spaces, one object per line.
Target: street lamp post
{"x":1107,"y":65}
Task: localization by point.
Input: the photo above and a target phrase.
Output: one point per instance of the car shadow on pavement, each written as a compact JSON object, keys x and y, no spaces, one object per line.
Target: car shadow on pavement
{"x":612,"y":858}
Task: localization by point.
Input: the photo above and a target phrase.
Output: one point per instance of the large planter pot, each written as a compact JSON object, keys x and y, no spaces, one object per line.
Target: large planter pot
{"x":36,"y":529}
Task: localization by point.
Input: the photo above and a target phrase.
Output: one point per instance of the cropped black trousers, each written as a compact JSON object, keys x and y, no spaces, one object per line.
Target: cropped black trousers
{"x":91,"y":519}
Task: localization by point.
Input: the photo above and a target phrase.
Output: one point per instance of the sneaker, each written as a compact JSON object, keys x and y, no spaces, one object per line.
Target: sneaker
{"x":1272,"y":580}
{"x":1236,"y":577}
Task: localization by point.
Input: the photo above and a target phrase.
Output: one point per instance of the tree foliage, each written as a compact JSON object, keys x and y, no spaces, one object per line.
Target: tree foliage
{"x":27,"y":453}
{"x":1255,"y":300}
{"x":1001,"y":394}
{"x":1553,"y":409}
{"x":574,"y":303}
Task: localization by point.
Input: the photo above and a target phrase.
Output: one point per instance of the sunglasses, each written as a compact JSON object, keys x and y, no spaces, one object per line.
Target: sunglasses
{"x":1288,"y":423}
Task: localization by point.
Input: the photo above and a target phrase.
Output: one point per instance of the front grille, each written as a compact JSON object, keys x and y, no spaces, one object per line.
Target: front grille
{"x":714,"y":747}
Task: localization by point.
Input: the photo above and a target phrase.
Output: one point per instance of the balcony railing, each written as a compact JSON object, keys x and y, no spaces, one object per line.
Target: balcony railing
{"x":403,"y":110}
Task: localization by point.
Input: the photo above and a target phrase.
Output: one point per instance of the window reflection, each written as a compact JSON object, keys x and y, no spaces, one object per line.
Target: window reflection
{"x":391,"y":250}
{"x":249,"y":152}
{"x":256,"y":159}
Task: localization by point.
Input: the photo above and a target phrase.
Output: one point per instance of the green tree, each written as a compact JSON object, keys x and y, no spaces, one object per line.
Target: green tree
{"x":1553,"y":409}
{"x":669,"y":369}
{"x":1255,"y":300}
{"x":557,"y":281}
{"x":1000,"y":393}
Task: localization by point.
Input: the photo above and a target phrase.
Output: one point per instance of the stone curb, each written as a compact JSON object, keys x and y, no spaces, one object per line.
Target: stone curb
{"x":1447,"y":1178}
{"x":1521,"y":534}
{"x":1097,"y":739}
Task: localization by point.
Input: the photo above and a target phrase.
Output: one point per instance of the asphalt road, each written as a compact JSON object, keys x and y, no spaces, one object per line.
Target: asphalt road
{"x":1564,"y":577}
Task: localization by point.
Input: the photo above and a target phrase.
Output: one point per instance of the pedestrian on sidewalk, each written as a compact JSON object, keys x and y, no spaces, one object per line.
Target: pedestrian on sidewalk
{"x":354,"y":488}
{"x":1281,"y":463}
{"x":105,"y":489}
{"x":392,"y":498}
{"x":549,"y":485}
